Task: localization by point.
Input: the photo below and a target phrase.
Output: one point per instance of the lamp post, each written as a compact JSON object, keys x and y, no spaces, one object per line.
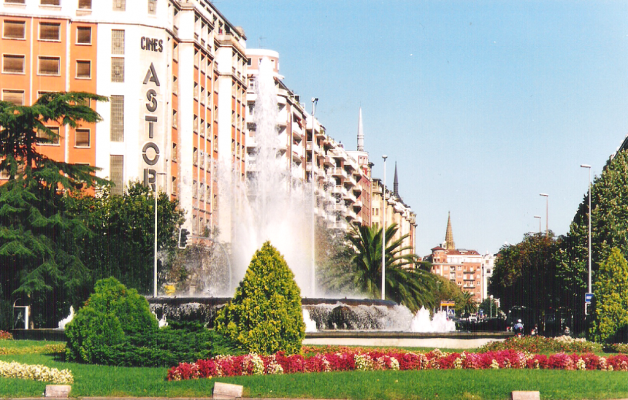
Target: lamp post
{"x":589,"y":168}
{"x":536,"y":216}
{"x":546,"y":213}
{"x":384,"y":232}
{"x":314,"y":102}
{"x":155,"y":258}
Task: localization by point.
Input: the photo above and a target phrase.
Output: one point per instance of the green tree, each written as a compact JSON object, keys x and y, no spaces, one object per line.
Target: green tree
{"x":265,"y":314}
{"x":466,"y":304}
{"x":490,"y":307}
{"x":112,"y":313}
{"x":525,"y":274}
{"x":609,"y":220}
{"x":611,"y":298}
{"x":38,"y":250}
{"x":120,"y":239}
{"x":405,"y":283}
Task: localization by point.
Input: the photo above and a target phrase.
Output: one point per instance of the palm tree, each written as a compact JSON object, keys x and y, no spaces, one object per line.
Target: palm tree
{"x":467,"y":304}
{"x":411,"y":287}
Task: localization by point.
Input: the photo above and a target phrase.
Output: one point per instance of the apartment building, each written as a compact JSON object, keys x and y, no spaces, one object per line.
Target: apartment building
{"x":466,"y":268}
{"x":174,"y":73}
{"x":395,"y":211}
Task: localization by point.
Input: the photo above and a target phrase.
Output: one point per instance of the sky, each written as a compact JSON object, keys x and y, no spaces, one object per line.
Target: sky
{"x":483,"y":105}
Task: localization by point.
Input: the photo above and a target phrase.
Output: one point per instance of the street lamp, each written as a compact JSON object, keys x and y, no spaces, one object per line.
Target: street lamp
{"x":384,"y":232}
{"x":546,"y":213}
{"x":155,"y":269}
{"x":314,"y":102}
{"x":589,"y":168}
{"x":536,"y":216}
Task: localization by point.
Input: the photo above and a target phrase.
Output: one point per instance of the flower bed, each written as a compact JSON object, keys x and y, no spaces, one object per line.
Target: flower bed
{"x":253,"y":364}
{"x":4,"y":335}
{"x":541,"y":344}
{"x":35,"y":372}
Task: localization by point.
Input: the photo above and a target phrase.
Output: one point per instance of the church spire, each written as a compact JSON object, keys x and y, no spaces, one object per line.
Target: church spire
{"x":360,"y":133}
{"x":396,"y":182}
{"x":449,"y":236}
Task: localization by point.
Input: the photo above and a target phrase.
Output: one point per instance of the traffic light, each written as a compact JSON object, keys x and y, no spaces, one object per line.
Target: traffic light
{"x":183,"y":238}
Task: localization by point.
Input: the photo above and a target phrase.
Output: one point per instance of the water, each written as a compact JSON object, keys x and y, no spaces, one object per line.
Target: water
{"x":271,"y":205}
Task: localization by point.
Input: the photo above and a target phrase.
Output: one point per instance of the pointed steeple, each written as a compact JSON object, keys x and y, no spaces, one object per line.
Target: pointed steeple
{"x":360,"y":133}
{"x":396,"y":182}
{"x":449,"y":236}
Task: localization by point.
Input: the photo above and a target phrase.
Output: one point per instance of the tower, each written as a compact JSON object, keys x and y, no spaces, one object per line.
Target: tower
{"x":360,"y":133}
{"x":449,"y":236}
{"x":396,"y":182}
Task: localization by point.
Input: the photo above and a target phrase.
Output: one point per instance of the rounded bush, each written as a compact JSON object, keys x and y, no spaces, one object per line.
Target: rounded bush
{"x":265,"y":314}
{"x":111,"y":313}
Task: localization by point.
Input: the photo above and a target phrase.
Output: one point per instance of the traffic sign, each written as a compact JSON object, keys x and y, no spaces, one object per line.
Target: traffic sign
{"x":588,"y":297}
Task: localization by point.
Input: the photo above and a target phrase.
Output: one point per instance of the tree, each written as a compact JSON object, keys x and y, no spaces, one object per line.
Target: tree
{"x":525,"y":274}
{"x":405,"y":284}
{"x":466,"y":305}
{"x":609,"y":220}
{"x":265,"y":314}
{"x":112,"y":313}
{"x":121,"y":234}
{"x":611,"y":298}
{"x":38,"y":250}
{"x":490,"y":307}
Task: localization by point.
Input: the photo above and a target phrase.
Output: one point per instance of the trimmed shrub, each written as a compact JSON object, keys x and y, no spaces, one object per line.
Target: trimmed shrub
{"x":111,"y":313}
{"x":265,"y":315}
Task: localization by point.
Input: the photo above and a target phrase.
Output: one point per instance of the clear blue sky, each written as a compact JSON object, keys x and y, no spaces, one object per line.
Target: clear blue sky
{"x":483,"y":104}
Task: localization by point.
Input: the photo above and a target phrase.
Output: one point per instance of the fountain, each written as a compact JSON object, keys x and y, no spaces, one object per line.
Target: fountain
{"x":271,"y":205}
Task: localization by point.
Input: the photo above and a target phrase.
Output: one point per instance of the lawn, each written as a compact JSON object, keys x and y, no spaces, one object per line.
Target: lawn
{"x":94,"y":380}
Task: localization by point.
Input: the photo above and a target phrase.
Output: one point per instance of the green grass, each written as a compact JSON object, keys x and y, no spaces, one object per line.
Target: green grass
{"x":95,"y":380}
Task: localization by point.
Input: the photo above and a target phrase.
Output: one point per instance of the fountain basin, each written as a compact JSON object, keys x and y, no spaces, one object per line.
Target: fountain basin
{"x":440,"y":340}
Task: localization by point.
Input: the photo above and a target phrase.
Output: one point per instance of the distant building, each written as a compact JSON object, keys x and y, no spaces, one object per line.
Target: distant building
{"x":396,"y":211}
{"x":460,"y":266}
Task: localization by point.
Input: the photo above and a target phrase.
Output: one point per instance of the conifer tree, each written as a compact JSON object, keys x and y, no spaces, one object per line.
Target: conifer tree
{"x":265,"y":315}
{"x":611,"y":294}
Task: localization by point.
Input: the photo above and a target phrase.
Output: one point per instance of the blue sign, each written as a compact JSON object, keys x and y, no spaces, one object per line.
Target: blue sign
{"x":588,"y":297}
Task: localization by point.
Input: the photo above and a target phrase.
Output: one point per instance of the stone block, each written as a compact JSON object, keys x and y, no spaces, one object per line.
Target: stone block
{"x":522,"y":395}
{"x":227,"y":391}
{"x":59,"y":391}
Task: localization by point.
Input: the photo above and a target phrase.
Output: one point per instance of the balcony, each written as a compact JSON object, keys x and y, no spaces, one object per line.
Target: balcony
{"x":357,"y":189}
{"x":357,"y":204}
{"x":314,"y":144}
{"x":350,"y":196}
{"x":338,"y":171}
{"x":328,"y":161}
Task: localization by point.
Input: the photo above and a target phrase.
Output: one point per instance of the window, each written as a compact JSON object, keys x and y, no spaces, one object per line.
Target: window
{"x":81,"y":138}
{"x":116,"y":172}
{"x":14,"y":30}
{"x":83,"y":69}
{"x":12,"y":64}
{"x":13,"y":96}
{"x":174,"y":152}
{"x":174,"y":186}
{"x":49,"y":65}
{"x":117,"y":41}
{"x":175,"y":119}
{"x":119,"y":5}
{"x":175,"y":51}
{"x":15,"y":1}
{"x":175,"y":85}
{"x":152,"y":7}
{"x":195,"y":157}
{"x":84,"y":35}
{"x":85,"y":4}
{"x":51,"y":137}
{"x":50,"y":2}
{"x":117,"y":69}
{"x":49,"y":31}
{"x":117,"y":118}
